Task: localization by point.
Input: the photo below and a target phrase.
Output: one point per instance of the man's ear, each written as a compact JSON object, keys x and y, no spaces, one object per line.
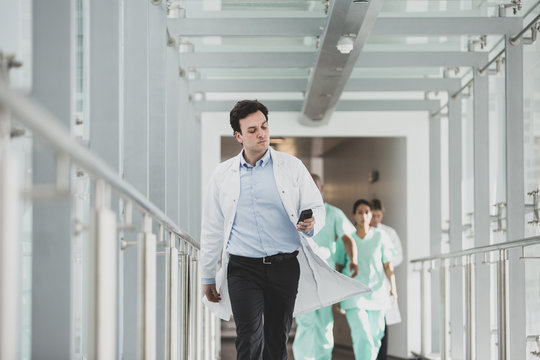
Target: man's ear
{"x":238,"y":137}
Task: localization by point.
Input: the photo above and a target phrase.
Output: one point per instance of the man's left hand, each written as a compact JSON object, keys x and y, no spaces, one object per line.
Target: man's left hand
{"x":306,"y":225}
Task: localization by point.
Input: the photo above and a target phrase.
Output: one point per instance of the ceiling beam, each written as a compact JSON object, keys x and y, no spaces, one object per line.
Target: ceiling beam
{"x":247,"y":27}
{"x":291,"y":27}
{"x":299,"y":85}
{"x":335,"y":69}
{"x":421,"y":59}
{"x":445,"y":26}
{"x":247,"y":60}
{"x":344,"y":105}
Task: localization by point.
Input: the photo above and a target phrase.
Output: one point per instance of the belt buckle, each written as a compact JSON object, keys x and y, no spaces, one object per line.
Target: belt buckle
{"x":266,"y":262}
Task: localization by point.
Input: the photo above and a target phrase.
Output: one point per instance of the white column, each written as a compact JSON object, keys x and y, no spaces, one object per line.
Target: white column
{"x":53,"y":87}
{"x":172,"y":134}
{"x":435,"y":223}
{"x":135,"y":148}
{"x":10,"y":247}
{"x":105,"y":106}
{"x":146,"y":293}
{"x":456,"y":232}
{"x":157,"y":139}
{"x":515,"y":191}
{"x":103,"y":278}
{"x":482,"y":219}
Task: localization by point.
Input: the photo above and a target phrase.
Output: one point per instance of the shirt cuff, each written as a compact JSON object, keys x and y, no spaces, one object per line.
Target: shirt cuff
{"x":310,"y":233}
{"x":208,"y":281}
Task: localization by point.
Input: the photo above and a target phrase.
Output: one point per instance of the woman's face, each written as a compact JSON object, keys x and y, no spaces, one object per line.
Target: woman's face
{"x":377,"y":217}
{"x":362,"y":214}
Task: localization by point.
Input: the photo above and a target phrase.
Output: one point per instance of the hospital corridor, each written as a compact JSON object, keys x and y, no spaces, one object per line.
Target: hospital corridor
{"x":129,"y":190}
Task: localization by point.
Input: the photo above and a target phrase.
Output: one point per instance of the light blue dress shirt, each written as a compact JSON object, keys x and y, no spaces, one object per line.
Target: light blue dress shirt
{"x":261,"y":226}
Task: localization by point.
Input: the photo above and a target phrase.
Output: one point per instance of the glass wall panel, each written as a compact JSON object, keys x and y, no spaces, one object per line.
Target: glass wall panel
{"x":467,"y":144}
{"x":81,"y":186}
{"x":531,"y":93}
{"x":497,"y":186}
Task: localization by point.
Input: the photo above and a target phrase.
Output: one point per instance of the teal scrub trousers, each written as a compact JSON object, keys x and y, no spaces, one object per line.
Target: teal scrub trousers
{"x":314,"y":339}
{"x":367,"y":330}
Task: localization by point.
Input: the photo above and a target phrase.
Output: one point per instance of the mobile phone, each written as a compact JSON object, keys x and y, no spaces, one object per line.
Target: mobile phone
{"x":305,"y":214}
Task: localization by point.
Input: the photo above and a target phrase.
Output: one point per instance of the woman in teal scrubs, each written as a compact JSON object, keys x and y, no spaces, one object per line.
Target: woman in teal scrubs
{"x":365,"y":312}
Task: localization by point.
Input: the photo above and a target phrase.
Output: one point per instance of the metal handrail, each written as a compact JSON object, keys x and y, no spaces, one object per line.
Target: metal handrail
{"x":525,"y":29}
{"x":533,"y":240}
{"x":469,"y":278}
{"x":46,"y":126}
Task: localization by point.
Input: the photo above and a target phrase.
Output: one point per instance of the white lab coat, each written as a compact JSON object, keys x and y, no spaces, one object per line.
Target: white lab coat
{"x":319,"y":285}
{"x":393,"y":315}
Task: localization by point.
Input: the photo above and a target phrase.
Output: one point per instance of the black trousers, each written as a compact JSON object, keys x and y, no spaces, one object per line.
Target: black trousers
{"x":258,"y":290}
{"x":383,"y":350}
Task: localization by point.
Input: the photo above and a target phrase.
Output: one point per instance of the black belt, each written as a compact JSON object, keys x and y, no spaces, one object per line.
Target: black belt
{"x":267,"y":260}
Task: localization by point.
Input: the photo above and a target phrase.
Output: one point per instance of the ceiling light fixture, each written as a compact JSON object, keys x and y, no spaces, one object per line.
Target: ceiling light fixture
{"x":345,"y":43}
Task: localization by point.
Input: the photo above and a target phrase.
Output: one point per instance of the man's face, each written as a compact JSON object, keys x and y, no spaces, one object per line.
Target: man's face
{"x":377,"y":218}
{"x":255,"y":136}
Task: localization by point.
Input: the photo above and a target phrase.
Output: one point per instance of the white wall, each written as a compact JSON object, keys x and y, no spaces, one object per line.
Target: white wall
{"x":413,"y":126}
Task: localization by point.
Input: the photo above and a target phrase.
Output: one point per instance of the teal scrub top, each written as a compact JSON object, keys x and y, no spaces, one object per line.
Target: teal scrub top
{"x":336,"y":225}
{"x":373,"y":251}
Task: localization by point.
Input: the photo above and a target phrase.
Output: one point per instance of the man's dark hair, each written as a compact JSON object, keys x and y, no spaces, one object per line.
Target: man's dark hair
{"x":316,"y":177}
{"x":360,"y":202}
{"x":376,"y":204}
{"x":244,"y":108}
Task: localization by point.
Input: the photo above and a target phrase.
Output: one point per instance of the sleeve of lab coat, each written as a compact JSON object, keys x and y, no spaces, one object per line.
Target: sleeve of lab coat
{"x":396,"y":242}
{"x":211,"y":230}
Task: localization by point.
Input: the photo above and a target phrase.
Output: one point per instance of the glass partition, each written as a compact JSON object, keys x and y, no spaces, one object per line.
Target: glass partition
{"x":531,"y":100}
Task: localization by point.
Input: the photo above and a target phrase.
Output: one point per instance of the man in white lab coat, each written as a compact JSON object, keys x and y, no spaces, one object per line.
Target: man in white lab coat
{"x":250,"y":221}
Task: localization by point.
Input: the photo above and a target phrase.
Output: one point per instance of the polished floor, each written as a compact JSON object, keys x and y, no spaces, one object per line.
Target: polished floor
{"x":228,"y":352}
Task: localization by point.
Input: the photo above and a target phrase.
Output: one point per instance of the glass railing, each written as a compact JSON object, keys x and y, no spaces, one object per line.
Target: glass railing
{"x":469,"y":261}
{"x":110,"y":206}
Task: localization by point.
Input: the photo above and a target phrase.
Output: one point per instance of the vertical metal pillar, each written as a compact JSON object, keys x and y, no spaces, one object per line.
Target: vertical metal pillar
{"x":435,"y":222}
{"x":425,"y":337}
{"x":444,"y":341}
{"x":456,"y":229}
{"x":515,"y":196}
{"x":482,"y":219}
{"x":502,"y":306}
{"x":10,"y":243}
{"x":196,"y":295}
{"x":135,"y":150}
{"x":171,"y":298}
{"x":172,"y":134}
{"x":470,"y":309}
{"x":146,"y":335}
{"x":103,"y":278}
{"x":53,"y":42}
{"x":184,"y":334}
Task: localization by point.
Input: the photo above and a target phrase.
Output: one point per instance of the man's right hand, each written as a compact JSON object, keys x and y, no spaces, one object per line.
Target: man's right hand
{"x":211,"y":293}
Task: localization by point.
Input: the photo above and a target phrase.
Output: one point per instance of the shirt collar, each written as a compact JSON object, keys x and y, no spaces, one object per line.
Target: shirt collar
{"x":266,"y":159}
